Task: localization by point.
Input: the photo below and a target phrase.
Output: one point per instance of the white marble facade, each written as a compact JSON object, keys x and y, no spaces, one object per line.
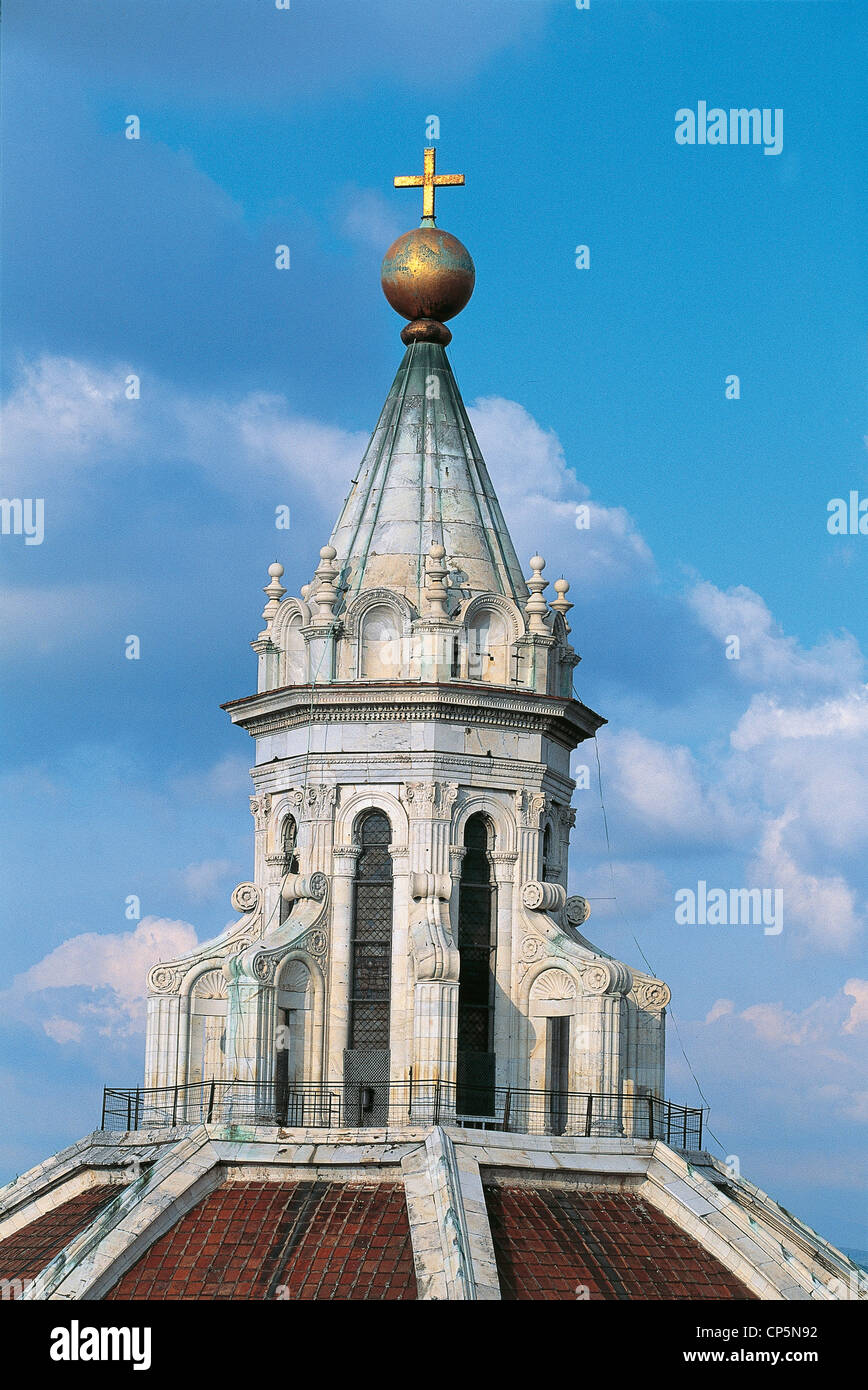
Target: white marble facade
{"x":429,"y":751}
{"x":417,"y":675}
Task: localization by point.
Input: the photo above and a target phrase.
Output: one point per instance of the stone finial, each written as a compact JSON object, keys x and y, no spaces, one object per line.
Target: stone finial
{"x":561,"y":604}
{"x":435,"y":588}
{"x":536,"y":606}
{"x":325,"y":594}
{"x":274,"y":592}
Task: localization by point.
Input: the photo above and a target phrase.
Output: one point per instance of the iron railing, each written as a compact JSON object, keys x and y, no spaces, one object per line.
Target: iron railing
{"x":412,"y":1102}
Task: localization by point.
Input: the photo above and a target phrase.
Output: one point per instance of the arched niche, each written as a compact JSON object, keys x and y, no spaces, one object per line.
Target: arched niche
{"x":294,"y":654}
{"x":206,"y":1041}
{"x":488,"y":647}
{"x":295,"y":1032}
{"x":380,"y":644}
{"x":553,"y":998}
{"x":286,"y":630}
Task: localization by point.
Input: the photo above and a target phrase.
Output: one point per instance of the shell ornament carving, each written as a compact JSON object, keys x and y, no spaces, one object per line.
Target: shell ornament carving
{"x":553,"y":984}
{"x":211,"y":985}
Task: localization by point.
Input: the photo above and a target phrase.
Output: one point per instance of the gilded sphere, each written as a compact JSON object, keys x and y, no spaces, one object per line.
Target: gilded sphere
{"x":428,"y":274}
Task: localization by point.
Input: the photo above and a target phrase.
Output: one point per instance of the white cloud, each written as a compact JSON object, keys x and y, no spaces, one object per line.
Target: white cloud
{"x":539,"y":495}
{"x":767,"y":720}
{"x":660,"y":786}
{"x":258,"y":442}
{"x":823,"y":907}
{"x":67,"y":422}
{"x":780,"y":1027}
{"x":797,"y":1062}
{"x":63,"y":411}
{"x":112,"y":969}
{"x":204,"y":879}
{"x":858,"y":1015}
{"x":370,"y":219}
{"x":639,"y":888}
{"x":719,"y":1009}
{"x":63,"y":1030}
{"x":767,"y":655}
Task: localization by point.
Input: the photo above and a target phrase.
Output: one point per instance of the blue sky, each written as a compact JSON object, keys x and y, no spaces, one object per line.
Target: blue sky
{"x":259,"y":387}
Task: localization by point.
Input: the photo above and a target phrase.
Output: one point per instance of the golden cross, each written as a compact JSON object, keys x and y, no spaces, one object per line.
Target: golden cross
{"x":428,"y":182}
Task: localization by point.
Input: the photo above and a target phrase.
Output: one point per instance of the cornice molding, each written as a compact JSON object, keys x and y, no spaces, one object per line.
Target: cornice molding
{"x":567,"y":722}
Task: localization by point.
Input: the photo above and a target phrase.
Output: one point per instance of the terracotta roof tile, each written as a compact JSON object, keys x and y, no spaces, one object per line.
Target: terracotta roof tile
{"x":296,"y":1240}
{"x":550,"y":1241}
{"x":27,"y":1252}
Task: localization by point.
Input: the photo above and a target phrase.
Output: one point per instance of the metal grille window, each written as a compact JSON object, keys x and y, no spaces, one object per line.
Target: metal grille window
{"x":371,"y":947}
{"x":547,"y":852}
{"x":476,"y":980}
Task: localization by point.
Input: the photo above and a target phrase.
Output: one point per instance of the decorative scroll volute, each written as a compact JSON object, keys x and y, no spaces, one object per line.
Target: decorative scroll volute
{"x":543,"y":897}
{"x":434,"y":949}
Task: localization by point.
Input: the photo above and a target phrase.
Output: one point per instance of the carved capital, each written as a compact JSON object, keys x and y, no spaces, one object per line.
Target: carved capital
{"x":529,"y":807}
{"x":314,"y":801}
{"x":260,"y":807}
{"x":503,"y":862}
{"x":430,"y":799}
{"x":344,"y":860}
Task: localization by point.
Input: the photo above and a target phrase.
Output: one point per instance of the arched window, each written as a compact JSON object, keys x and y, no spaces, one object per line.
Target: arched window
{"x":289,"y":844}
{"x":488,"y":648}
{"x":381,"y":645}
{"x":476,"y":949}
{"x":366,"y":1063}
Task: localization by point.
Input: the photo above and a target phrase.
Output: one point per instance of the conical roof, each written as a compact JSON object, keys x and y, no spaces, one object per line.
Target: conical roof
{"x":422,"y":481}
